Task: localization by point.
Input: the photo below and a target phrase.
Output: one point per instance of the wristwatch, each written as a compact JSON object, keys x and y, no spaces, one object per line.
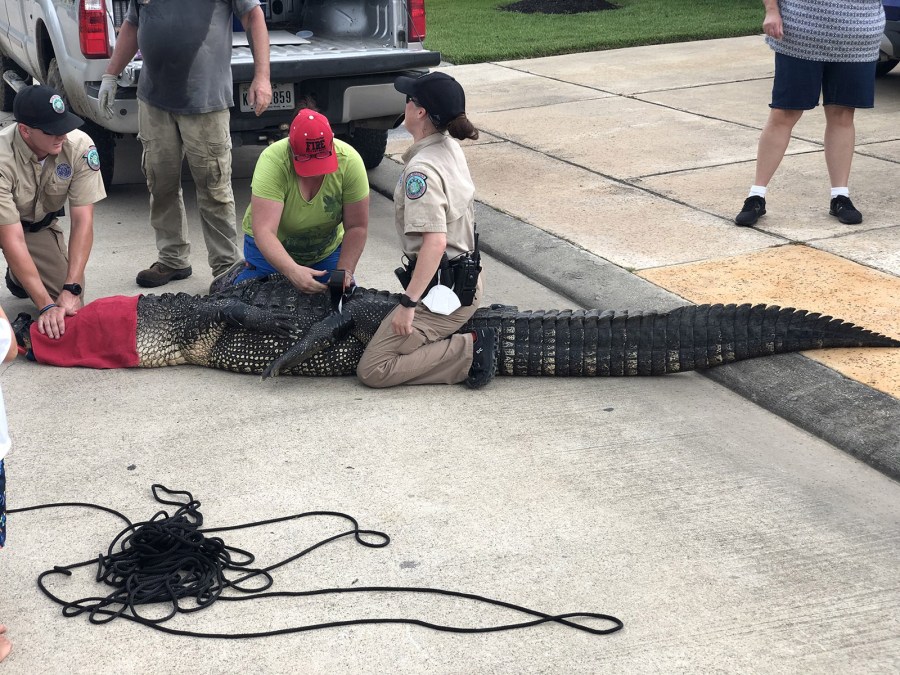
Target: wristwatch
{"x":74,"y":289}
{"x":407,"y":301}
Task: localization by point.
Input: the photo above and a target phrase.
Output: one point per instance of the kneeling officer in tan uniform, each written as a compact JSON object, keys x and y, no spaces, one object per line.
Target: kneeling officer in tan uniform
{"x":44,"y":161}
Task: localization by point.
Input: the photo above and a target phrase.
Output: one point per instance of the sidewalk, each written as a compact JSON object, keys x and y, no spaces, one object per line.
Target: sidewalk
{"x":641,"y":157}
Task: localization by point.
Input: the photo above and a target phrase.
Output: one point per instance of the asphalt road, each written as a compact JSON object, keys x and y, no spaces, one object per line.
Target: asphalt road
{"x":725,"y":538}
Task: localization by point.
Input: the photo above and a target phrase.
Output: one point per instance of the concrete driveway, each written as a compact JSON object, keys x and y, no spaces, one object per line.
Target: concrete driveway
{"x":727,"y":538}
{"x":641,"y":157}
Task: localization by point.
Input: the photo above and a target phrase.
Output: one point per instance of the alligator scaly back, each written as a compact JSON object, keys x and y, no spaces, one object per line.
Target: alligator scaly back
{"x":268,"y":327}
{"x":595,"y":343}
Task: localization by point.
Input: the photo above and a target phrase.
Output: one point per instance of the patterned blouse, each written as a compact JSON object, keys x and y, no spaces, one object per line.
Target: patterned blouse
{"x":830,"y":30}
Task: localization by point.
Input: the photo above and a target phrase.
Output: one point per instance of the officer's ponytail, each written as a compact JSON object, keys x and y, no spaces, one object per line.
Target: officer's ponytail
{"x":461,"y":128}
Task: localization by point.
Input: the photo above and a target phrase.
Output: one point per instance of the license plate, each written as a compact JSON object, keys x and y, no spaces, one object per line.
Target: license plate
{"x":282,"y":97}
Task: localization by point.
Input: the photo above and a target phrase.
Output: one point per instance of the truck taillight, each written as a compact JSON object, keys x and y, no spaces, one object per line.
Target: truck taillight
{"x":417,"y":15}
{"x":92,"y":33}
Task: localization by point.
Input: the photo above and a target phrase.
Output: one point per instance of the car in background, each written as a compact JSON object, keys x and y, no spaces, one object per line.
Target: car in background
{"x":890,"y":41}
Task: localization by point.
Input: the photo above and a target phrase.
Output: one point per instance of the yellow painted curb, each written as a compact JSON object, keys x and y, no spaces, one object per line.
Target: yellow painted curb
{"x":805,"y":278}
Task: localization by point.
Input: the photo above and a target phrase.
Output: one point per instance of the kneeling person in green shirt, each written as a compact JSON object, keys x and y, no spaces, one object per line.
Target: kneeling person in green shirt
{"x":309,"y":209}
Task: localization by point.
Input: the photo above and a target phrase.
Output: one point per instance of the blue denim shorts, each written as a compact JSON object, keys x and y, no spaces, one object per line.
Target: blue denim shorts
{"x":798,"y":84}
{"x":258,"y":266}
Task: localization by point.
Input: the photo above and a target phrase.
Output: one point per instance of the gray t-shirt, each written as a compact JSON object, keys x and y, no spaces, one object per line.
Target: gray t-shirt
{"x":186,"y":47}
{"x":841,"y":31}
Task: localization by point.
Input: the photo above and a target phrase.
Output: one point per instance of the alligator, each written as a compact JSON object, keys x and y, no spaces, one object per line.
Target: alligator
{"x":267,"y":327}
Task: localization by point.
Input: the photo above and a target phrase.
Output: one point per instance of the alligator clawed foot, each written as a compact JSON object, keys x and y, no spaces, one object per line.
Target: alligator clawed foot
{"x":321,"y":336}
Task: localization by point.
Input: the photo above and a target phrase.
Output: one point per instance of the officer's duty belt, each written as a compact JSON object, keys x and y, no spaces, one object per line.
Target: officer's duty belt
{"x":39,"y":225}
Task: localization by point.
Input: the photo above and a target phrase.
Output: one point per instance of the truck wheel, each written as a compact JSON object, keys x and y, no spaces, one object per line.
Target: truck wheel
{"x":103,"y":139}
{"x":370,"y":144}
{"x":105,"y":142}
{"x":7,"y":93}
{"x":884,"y":67}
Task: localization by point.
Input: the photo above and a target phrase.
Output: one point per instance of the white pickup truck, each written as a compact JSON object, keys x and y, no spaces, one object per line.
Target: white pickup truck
{"x":343,"y":54}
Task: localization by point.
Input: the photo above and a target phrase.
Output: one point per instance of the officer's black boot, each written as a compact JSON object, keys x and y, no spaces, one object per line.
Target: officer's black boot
{"x":14,"y":288}
{"x":484,"y":358}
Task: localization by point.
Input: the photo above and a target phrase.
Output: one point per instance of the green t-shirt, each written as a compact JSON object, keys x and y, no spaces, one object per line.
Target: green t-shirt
{"x":309,"y":230}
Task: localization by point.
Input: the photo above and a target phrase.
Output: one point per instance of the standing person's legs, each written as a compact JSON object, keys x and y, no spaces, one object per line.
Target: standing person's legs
{"x":161,"y":163}
{"x":845,"y":87}
{"x":207,"y":143}
{"x":5,"y":645}
{"x":840,"y":141}
{"x":50,"y":255}
{"x":2,"y":505}
{"x":773,"y":143}
{"x":795,"y":89}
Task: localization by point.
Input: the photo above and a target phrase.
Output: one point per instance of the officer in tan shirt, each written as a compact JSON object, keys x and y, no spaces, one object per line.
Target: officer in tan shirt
{"x":417,"y":342}
{"x":44,"y":161}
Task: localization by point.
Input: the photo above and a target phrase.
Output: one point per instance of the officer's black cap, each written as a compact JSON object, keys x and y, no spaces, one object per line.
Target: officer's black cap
{"x":42,"y":107}
{"x":441,"y":96}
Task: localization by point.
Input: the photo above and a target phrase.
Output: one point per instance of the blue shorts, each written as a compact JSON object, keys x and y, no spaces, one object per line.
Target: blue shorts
{"x":258,"y":266}
{"x":798,"y":84}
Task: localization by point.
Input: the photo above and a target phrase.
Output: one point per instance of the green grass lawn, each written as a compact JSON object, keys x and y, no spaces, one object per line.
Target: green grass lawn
{"x":474,"y":31}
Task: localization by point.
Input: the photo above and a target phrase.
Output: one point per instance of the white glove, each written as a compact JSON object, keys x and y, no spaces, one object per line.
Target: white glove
{"x":107,"y":96}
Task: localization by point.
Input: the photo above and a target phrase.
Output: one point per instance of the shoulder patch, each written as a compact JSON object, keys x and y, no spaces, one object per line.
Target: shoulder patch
{"x":416,"y":184}
{"x":92,"y":157}
{"x":64,"y":170}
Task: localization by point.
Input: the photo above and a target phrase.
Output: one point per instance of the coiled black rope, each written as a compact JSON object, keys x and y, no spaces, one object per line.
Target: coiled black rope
{"x":169,"y":559}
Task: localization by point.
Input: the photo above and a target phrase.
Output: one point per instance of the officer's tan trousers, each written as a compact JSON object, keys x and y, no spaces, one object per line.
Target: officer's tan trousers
{"x":51,"y":257}
{"x":427,"y":356}
{"x":205,"y":139}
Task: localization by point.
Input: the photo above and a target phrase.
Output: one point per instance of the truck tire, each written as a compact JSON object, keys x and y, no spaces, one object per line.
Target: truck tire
{"x":370,"y":144}
{"x":7,"y":93}
{"x":882,"y":68}
{"x":104,"y":140}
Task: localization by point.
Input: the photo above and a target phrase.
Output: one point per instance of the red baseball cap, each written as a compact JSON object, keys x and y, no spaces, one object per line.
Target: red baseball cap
{"x":312,"y":144}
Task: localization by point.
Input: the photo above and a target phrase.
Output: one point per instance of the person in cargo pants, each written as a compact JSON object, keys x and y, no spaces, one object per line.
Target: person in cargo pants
{"x":184,"y":93}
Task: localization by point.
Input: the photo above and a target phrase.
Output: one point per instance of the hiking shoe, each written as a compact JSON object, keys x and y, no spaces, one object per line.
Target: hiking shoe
{"x":484,"y":358}
{"x":842,"y":208}
{"x":754,"y":207}
{"x":159,"y":275}
{"x":226,"y":278}
{"x":21,"y":329}
{"x":13,"y":287}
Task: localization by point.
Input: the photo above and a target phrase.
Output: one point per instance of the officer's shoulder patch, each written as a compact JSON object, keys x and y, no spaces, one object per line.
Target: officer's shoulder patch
{"x":63,"y":170}
{"x":92,"y":157}
{"x":416,"y":184}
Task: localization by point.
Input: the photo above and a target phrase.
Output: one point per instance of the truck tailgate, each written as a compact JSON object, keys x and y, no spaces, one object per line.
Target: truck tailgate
{"x":331,"y":58}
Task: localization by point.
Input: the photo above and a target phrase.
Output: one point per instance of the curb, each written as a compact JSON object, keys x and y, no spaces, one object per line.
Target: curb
{"x":854,"y":417}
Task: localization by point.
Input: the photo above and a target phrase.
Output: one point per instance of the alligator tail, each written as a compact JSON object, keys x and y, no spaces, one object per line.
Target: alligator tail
{"x":595,"y":343}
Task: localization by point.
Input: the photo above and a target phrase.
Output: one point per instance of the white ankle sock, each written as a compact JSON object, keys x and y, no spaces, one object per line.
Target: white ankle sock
{"x":840,"y":191}
{"x":758,"y":191}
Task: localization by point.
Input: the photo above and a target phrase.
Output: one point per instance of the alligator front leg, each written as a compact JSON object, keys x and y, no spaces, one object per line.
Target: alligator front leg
{"x":259,"y":319}
{"x":321,"y":336}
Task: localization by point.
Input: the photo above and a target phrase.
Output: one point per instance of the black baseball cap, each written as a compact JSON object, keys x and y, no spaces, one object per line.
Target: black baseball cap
{"x":41,"y":107}
{"x":441,"y":96}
